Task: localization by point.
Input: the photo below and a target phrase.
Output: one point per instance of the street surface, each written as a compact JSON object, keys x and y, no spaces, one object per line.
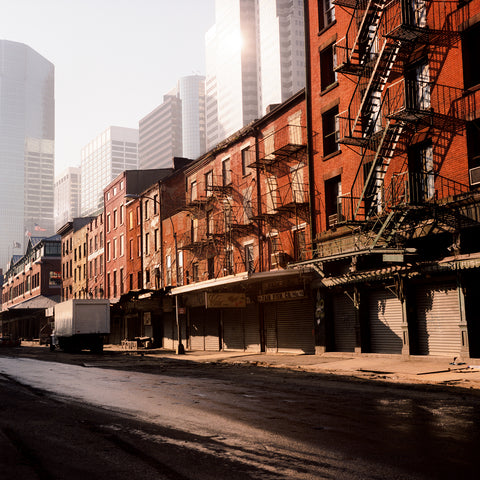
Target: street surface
{"x":85,"y":416}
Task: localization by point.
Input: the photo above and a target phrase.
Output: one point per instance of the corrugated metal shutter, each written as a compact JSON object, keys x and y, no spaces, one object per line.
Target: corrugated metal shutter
{"x":252,"y":329}
{"x":343,"y":324}
{"x":295,"y":326}
{"x":169,"y":333}
{"x":197,"y":329}
{"x":385,"y":316}
{"x":438,"y":319}
{"x":233,"y":329}
{"x":212,"y":330}
{"x":269,"y":312}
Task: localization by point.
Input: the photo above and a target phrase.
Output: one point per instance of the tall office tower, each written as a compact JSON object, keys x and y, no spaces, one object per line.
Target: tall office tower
{"x":160,"y":133}
{"x":191,"y":91}
{"x":27,"y":133}
{"x":282,"y":50}
{"x":102,"y":160}
{"x":255,"y":57}
{"x":232,"y":68}
{"x":67,"y":196}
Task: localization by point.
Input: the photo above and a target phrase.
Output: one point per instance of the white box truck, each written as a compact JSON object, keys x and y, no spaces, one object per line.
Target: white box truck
{"x":81,"y":324}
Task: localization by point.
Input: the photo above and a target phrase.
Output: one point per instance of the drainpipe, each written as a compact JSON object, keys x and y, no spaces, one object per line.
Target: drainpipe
{"x":259,"y":203}
{"x":308,"y":104}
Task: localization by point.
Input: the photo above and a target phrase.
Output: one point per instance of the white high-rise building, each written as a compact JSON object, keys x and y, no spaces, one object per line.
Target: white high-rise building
{"x":255,"y":57}
{"x":191,"y":90}
{"x":27,"y":126}
{"x":175,"y":128}
{"x":102,"y":160}
{"x":67,"y":196}
{"x":282,"y":50}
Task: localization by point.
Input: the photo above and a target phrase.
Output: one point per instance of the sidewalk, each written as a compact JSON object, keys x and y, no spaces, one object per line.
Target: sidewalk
{"x":387,"y":368}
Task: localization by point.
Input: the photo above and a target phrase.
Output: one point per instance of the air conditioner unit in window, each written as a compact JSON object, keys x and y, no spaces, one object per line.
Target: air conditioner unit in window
{"x":474,"y":176}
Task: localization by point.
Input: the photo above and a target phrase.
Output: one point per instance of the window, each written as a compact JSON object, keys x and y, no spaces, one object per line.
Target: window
{"x":211,"y":267}
{"x":139,"y":246}
{"x":327,"y":64}
{"x":122,"y":214}
{"x":131,"y":249}
{"x":108,"y":222}
{"x":139,"y":280}
{"x":115,"y":218}
{"x":114,"y":283}
{"x":194,"y":230}
{"x":147,"y":241}
{"x":122,"y":245}
{"x":101,"y":264}
{"x":195,"y":272}
{"x":299,"y":244}
{"x":130,"y":219}
{"x":146,"y":207}
{"x":247,"y":204}
{"x":473,"y":143}
{"x":333,"y":205}
{"x":226,"y":172}
{"x":147,"y":276}
{"x":326,"y":13}
{"x":139,"y":217}
{"x":114,"y":248}
{"x":421,"y":172}
{"x":131,"y":281}
{"x":193,"y":191}
{"x":249,"y":260}
{"x":329,"y":128}
{"x":209,"y":183}
{"x":471,"y":65}
{"x":155,"y":239}
{"x":272,"y":192}
{"x":180,"y":267}
{"x":168,"y":263}
{"x":108,"y":252}
{"x":228,"y":266}
{"x":155,"y":204}
{"x":245,"y":152}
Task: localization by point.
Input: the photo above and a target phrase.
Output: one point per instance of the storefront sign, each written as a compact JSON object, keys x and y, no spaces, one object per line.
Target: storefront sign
{"x":281,"y":296}
{"x":225,"y":300}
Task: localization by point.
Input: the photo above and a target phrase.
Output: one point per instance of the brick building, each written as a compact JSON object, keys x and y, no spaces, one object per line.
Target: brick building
{"x":31,"y":284}
{"x":95,"y":257}
{"x":392,"y":94}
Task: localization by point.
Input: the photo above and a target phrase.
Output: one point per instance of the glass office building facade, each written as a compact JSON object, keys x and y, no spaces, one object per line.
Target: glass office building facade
{"x":27,"y":126}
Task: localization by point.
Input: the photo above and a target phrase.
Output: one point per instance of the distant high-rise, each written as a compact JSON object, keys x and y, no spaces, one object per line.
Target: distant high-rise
{"x":255,"y":57}
{"x":191,"y":90}
{"x":282,"y":50}
{"x":175,"y":128}
{"x":67,"y":196}
{"x":102,"y":160}
{"x":27,"y":126}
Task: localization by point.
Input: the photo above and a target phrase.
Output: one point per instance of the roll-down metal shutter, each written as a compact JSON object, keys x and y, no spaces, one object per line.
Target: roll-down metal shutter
{"x":344,"y":323}
{"x":438,"y":319}
{"x":212,"y":329}
{"x":197,"y":329}
{"x":169,"y":332}
{"x":295,"y":325}
{"x":385,"y":317}
{"x":233,"y":329}
{"x":252,"y":328}
{"x":270,"y":312}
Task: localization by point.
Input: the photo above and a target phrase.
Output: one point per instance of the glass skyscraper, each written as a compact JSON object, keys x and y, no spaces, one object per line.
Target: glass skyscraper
{"x":27,"y":126}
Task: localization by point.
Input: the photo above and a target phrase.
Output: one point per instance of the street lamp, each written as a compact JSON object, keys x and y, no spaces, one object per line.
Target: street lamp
{"x":180,"y":348}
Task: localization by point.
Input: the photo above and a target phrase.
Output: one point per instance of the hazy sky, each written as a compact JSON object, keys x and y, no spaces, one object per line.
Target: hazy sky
{"x":114,"y":59}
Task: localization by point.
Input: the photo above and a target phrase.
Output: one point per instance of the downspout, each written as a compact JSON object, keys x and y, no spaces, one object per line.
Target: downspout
{"x":259,"y":203}
{"x":160,"y":214}
{"x":141,"y":241}
{"x":308,"y":104}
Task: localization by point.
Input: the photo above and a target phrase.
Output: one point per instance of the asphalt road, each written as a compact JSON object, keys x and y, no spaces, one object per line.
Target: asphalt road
{"x":87,"y":417}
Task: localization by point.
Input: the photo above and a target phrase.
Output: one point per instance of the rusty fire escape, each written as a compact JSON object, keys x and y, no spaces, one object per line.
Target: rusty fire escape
{"x":389,"y":105}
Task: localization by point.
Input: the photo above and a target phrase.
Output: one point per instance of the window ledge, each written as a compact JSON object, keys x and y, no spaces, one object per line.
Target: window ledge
{"x":329,"y":88}
{"x":327,"y":27}
{"x":331,"y":155}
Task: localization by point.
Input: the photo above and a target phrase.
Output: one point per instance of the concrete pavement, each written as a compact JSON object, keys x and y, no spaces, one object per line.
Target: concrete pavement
{"x":444,"y":371}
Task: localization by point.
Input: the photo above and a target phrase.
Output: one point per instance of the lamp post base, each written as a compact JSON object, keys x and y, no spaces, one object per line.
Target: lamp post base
{"x":180,"y":349}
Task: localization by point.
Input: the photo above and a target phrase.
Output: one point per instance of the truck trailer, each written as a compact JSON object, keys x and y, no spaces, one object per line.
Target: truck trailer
{"x":81,"y":324}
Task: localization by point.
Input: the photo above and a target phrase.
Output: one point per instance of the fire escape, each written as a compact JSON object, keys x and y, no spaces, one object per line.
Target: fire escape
{"x":284,"y":202}
{"x":390,"y":103}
